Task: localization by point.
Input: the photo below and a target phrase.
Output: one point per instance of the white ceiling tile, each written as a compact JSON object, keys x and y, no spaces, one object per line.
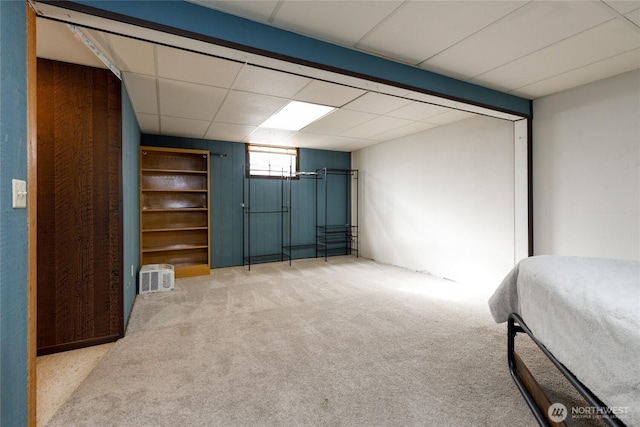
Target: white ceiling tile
{"x":374,"y":127}
{"x":189,"y":128}
{"x":228,"y":132}
{"x":338,"y":122}
{"x":532,"y":27}
{"x":605,"y":40}
{"x":354,"y":145}
{"x":403,"y":131}
{"x":531,"y":50}
{"x":270,"y":82}
{"x":609,"y":67}
{"x":269,"y":136}
{"x":342,"y":22}
{"x":308,"y":139}
{"x":623,"y":6}
{"x":133,"y":55}
{"x":248,"y":109}
{"x":634,"y":16}
{"x":324,"y":93}
{"x":376,"y":103}
{"x":142,"y":91}
{"x":149,"y":123}
{"x":55,"y":41}
{"x":418,"y":111}
{"x":338,"y":143}
{"x":188,"y":100}
{"x":256,"y":10}
{"x":449,"y":117}
{"x":421,"y":29}
{"x":186,"y":66}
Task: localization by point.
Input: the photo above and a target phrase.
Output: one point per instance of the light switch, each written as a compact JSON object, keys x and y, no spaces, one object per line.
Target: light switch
{"x":19,"y":191}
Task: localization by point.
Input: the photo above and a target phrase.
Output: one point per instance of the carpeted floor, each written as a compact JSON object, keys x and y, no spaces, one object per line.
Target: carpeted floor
{"x":349,"y":342}
{"x":58,"y":375}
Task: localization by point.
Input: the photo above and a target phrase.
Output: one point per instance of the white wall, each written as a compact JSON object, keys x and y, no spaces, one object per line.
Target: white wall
{"x":441,"y":201}
{"x":586,"y":170}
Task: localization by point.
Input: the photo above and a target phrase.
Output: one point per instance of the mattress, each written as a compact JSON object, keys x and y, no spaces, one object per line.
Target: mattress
{"x":586,"y":311}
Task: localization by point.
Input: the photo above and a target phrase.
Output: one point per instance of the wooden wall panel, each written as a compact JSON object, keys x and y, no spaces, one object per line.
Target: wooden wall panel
{"x":79,"y":207}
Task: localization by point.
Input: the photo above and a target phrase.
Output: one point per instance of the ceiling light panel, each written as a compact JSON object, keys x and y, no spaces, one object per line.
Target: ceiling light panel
{"x":296,"y":115}
{"x":270,"y":82}
{"x":189,"y":100}
{"x":323,"y":93}
{"x":249,"y":109}
{"x":189,"y":67}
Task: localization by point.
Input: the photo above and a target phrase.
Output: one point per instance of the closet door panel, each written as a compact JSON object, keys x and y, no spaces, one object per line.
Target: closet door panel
{"x":79,"y":207}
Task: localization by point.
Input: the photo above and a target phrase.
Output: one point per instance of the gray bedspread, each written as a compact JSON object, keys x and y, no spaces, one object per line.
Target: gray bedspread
{"x":586,"y":311}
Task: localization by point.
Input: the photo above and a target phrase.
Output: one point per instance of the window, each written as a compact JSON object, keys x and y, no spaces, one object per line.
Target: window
{"x":272,"y":161}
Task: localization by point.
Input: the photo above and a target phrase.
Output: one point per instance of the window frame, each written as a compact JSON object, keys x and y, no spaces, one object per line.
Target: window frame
{"x":273,"y":149}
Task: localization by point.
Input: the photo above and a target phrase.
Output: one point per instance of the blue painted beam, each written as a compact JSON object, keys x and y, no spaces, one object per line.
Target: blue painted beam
{"x":189,"y":19}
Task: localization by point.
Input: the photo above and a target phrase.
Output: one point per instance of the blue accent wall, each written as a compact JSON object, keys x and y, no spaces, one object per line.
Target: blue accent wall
{"x":13,"y":222}
{"x":226,"y":188}
{"x":262,"y":38}
{"x":130,"y":202}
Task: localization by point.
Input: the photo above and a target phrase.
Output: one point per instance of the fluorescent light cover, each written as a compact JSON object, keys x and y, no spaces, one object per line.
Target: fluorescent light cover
{"x":296,"y":115}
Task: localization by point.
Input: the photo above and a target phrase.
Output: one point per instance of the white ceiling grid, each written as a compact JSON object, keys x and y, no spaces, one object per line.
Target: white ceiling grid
{"x":527,"y":48}
{"x":466,"y":39}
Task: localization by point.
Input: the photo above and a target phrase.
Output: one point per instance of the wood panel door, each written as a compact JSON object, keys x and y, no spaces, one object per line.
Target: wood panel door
{"x":79,"y":207}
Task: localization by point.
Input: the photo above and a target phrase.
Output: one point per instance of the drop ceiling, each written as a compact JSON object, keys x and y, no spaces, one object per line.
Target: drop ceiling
{"x":526,"y":48}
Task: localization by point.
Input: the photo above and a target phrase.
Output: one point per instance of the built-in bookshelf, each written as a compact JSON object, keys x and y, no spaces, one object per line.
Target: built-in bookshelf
{"x":174,"y":209}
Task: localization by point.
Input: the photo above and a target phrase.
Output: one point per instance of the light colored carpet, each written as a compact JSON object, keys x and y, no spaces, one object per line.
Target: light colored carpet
{"x":349,"y":342}
{"x":59,"y":374}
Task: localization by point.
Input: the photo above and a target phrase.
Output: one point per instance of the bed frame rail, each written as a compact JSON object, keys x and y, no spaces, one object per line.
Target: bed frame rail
{"x":531,"y":390}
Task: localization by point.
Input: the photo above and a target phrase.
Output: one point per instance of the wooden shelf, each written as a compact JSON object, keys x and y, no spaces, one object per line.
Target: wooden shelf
{"x":154,"y":230}
{"x":165,"y":190}
{"x":174,"y":209}
{"x":177,"y":247}
{"x":186,"y":171}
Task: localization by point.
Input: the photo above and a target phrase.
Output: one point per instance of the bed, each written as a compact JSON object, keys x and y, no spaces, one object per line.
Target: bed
{"x":584,"y":314}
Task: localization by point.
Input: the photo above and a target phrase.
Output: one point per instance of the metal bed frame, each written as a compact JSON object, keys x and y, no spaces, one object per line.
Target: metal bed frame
{"x":533,"y":394}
